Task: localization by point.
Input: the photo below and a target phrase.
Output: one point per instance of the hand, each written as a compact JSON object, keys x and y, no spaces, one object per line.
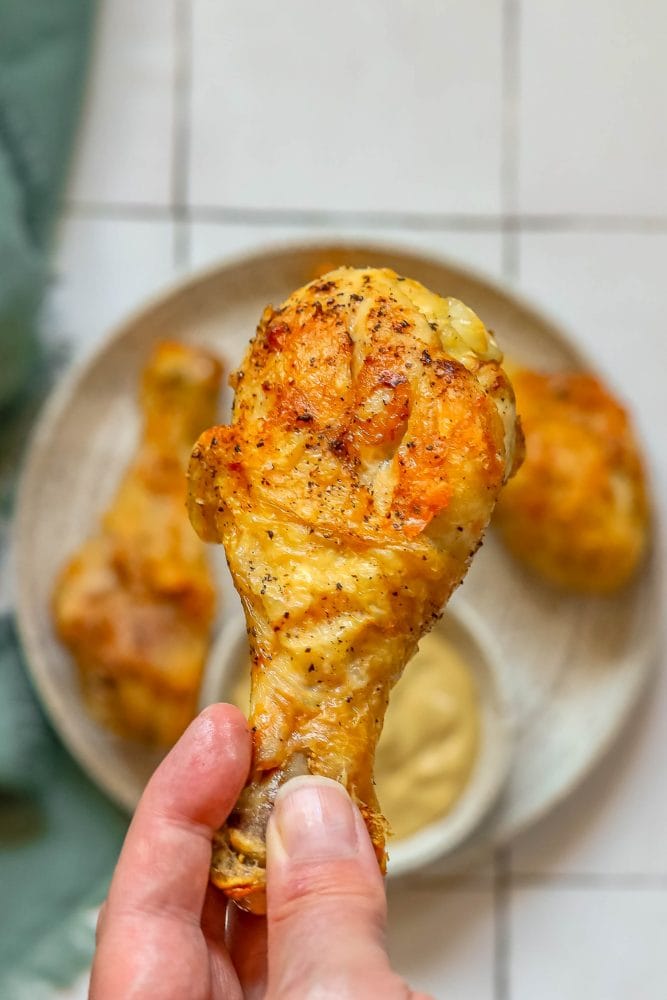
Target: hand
{"x":161,"y":933}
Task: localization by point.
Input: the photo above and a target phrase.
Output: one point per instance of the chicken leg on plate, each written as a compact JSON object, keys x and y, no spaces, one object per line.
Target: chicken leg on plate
{"x":135,"y":604}
{"x":373,"y":428}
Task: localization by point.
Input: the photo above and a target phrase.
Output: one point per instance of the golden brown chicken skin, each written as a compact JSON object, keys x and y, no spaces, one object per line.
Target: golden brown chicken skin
{"x":135,"y":605}
{"x":372,"y":430}
{"x":577,"y":512}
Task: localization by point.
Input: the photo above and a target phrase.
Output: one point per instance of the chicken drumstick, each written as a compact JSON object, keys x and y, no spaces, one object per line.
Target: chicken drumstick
{"x":372,"y":431}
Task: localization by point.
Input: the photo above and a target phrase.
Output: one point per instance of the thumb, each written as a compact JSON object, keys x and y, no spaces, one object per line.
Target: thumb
{"x":326,"y":904}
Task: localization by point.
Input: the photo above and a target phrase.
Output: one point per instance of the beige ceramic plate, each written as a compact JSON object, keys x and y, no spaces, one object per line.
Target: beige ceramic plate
{"x":574,"y":667}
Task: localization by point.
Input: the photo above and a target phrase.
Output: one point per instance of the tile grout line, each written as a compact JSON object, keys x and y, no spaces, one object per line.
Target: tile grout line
{"x":129,"y":211}
{"x":180,"y":153}
{"x":547,"y":881}
{"x":509,"y":186}
{"x":509,"y":180}
{"x":564,"y":881}
{"x":501,"y":924}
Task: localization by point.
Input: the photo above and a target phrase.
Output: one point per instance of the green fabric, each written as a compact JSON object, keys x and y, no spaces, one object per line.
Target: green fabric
{"x":52,"y":961}
{"x":59,"y":836}
{"x":43,"y":50}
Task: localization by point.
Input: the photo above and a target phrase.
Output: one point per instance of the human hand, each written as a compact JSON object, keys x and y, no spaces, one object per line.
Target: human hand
{"x":166,"y":934}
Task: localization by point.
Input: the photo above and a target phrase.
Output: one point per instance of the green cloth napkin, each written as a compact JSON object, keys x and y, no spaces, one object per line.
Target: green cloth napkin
{"x":59,"y":836}
{"x":43,"y":48}
{"x":55,"y":956}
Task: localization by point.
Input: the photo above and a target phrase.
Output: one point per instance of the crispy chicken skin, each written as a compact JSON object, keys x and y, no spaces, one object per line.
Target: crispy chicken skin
{"x":372,"y":430}
{"x":577,"y":512}
{"x":135,"y":605}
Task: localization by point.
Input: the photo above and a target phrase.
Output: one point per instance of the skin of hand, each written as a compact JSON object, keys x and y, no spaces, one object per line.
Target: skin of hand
{"x":165,"y":933}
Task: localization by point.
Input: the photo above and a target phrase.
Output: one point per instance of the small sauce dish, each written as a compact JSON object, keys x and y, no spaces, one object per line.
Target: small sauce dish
{"x":465,"y":634}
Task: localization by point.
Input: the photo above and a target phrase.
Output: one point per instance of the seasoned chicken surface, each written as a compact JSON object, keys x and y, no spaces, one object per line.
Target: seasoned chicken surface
{"x":372,"y":430}
{"x":577,"y":512}
{"x":135,"y":605}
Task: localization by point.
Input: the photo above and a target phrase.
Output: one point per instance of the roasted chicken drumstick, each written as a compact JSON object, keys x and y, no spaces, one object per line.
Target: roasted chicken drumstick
{"x":135,"y":604}
{"x":578,"y":512}
{"x":372,"y":431}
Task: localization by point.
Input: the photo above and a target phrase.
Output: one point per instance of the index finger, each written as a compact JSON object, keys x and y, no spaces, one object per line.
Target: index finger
{"x":163,"y":866}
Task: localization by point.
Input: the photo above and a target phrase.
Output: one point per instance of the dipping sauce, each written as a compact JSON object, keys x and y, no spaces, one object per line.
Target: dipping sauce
{"x":430,"y":738}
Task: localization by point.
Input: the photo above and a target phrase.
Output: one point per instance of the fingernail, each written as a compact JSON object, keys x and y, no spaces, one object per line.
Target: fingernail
{"x":315,"y":819}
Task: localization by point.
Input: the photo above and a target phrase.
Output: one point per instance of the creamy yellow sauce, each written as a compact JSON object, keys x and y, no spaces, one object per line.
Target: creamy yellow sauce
{"x":430,"y":738}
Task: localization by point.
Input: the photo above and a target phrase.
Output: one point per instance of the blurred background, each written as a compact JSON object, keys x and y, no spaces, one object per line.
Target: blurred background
{"x":526,"y":140}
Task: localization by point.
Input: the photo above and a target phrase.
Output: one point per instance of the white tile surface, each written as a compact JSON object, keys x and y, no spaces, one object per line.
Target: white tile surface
{"x":124,"y":148}
{"x":388,"y":104}
{"x":608,"y":288}
{"x":591,"y":112}
{"x":442,"y":942}
{"x":103,"y":269}
{"x":212,"y":242}
{"x":588,"y":945}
